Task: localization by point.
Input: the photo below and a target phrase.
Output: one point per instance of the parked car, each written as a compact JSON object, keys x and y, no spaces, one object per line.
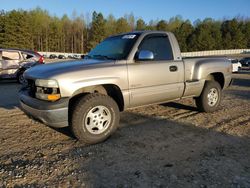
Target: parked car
{"x":53,"y":56}
{"x":245,"y":62}
{"x":70,"y":56}
{"x":61,"y":57}
{"x":124,"y":71}
{"x":75,"y":56}
{"x":236,"y":65}
{"x":13,"y":63}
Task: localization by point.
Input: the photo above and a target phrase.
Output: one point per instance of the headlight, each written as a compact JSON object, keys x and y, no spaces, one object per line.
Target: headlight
{"x":46,"y":83}
{"x":47,"y":90}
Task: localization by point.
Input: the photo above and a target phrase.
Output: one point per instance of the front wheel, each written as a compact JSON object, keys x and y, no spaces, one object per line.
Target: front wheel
{"x":94,"y":118}
{"x":210,"y":98}
{"x":20,"y":78}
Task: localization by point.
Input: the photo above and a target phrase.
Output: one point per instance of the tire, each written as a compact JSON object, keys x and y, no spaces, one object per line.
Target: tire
{"x":20,"y":78}
{"x":210,"y":98}
{"x":94,"y":118}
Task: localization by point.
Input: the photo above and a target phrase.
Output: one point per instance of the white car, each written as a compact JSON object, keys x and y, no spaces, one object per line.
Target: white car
{"x":236,"y":65}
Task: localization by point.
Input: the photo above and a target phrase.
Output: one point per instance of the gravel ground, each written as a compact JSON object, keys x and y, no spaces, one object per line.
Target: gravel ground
{"x":168,"y":145}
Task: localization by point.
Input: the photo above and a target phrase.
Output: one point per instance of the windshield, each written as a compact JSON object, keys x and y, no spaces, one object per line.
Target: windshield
{"x":117,"y":47}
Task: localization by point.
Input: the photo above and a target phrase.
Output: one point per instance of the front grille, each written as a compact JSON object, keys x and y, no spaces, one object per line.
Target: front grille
{"x":31,"y":88}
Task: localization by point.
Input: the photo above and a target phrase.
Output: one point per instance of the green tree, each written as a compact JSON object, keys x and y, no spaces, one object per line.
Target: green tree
{"x":140,"y":25}
{"x":2,"y":27}
{"x":122,"y":26}
{"x":183,"y":34}
{"x":39,"y":24}
{"x":97,"y":30}
{"x":17,"y":30}
{"x":110,"y":26}
{"x":232,"y":35}
{"x":67,"y":32}
{"x":174,"y":23}
{"x":37,"y":29}
{"x":246,"y":31}
{"x":206,"y":36}
{"x":151,"y":26}
{"x":131,"y":21}
{"x":78,"y":34}
{"x":162,"y":26}
{"x":54,"y":35}
{"x":216,"y":34}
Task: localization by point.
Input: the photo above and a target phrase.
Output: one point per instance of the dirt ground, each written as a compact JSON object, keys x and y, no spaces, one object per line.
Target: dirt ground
{"x":168,"y":145}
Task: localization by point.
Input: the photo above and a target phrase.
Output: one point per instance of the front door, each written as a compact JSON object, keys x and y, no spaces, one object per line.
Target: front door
{"x":157,"y":80}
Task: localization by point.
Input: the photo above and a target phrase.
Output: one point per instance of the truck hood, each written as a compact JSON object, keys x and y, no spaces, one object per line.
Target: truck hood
{"x":50,"y":70}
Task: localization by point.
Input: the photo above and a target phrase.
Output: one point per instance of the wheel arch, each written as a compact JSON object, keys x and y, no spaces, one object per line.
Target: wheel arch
{"x":111,"y":90}
{"x":20,"y":70}
{"x":218,"y":77}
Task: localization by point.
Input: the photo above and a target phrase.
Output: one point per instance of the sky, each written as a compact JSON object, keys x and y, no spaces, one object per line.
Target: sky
{"x":145,"y":9}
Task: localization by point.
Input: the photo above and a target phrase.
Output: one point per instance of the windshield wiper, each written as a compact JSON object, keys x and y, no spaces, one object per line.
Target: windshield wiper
{"x":104,"y":56}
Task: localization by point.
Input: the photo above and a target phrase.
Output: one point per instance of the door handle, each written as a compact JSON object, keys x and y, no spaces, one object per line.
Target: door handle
{"x":173,"y":68}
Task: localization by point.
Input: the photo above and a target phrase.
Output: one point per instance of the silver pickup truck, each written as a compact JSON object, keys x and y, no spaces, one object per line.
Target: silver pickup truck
{"x":124,"y":71}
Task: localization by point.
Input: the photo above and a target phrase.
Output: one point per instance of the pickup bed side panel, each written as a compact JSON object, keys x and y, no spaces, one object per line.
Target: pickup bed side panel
{"x":197,"y":70}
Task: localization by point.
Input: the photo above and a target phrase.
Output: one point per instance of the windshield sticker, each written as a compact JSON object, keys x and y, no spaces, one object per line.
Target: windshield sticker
{"x":128,"y":36}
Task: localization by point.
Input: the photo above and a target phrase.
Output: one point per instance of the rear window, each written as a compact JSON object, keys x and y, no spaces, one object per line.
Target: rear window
{"x":8,"y":55}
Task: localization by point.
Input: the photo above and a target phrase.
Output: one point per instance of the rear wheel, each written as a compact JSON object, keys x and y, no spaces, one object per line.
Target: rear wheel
{"x":210,"y":98}
{"x":95,"y":117}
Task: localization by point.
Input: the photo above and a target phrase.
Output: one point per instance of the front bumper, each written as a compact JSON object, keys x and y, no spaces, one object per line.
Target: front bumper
{"x":54,"y":114}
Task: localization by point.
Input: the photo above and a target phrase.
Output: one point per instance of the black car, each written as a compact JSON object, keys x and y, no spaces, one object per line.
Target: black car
{"x":52,"y":56}
{"x":13,"y":63}
{"x":70,"y":56}
{"x":245,"y":62}
{"x":61,"y":57}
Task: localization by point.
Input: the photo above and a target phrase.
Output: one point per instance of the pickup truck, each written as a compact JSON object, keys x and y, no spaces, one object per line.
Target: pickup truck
{"x":124,"y":71}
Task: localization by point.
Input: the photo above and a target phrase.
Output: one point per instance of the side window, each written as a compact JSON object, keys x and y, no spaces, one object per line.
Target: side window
{"x":8,"y":55}
{"x":159,"y":45}
{"x":27,"y":56}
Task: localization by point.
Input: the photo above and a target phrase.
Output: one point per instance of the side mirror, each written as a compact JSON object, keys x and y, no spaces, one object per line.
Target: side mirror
{"x":145,"y":55}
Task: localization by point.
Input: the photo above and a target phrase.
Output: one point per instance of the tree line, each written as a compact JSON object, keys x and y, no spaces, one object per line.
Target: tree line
{"x":38,"y":30}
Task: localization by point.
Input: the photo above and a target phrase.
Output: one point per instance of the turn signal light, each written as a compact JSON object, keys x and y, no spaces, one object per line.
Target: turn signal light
{"x":54,"y":97}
